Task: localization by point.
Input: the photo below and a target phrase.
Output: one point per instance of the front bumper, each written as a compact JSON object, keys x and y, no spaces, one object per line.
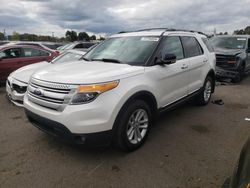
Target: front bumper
{"x":58,"y":130}
{"x":224,"y":73}
{"x":13,"y":96}
{"x":96,"y":116}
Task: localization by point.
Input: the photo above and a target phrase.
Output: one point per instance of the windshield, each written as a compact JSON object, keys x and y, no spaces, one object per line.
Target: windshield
{"x":229,"y":42}
{"x":66,"y":57}
{"x":70,"y":46}
{"x":65,"y":46}
{"x":130,"y":50}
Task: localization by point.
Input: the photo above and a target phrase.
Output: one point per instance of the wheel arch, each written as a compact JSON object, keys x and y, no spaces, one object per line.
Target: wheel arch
{"x":145,"y":96}
{"x":211,"y":74}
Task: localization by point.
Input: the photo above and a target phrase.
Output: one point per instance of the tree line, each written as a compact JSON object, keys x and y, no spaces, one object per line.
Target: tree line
{"x":245,"y":31}
{"x":70,"y":36}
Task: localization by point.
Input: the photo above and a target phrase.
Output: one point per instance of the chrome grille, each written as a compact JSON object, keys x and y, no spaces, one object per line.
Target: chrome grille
{"x":222,"y":60}
{"x":51,"y":95}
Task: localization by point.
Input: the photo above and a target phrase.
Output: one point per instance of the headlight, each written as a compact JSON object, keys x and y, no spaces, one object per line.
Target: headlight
{"x":88,"y":93}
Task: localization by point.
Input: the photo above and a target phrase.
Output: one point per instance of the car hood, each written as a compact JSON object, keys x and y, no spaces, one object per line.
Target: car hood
{"x":84,"y":72}
{"x":23,"y":74}
{"x":225,"y":51}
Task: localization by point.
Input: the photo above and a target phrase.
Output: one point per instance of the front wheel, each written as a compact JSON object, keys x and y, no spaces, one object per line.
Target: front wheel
{"x":206,"y":93}
{"x":133,"y":125}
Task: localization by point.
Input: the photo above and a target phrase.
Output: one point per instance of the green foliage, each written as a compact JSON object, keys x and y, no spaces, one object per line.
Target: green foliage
{"x":245,"y":31}
{"x":1,"y":36}
{"x":71,"y":36}
{"x":83,"y":36}
{"x":102,"y":38}
{"x":93,"y":37}
{"x":15,"y":36}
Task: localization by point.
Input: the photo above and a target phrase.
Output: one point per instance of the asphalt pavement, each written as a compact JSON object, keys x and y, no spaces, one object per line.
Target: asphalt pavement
{"x":188,"y":147}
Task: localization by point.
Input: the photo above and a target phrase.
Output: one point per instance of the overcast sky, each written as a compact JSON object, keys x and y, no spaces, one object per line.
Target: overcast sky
{"x":110,"y":16}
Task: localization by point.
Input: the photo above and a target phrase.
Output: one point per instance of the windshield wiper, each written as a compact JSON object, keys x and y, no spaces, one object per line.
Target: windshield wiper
{"x":107,"y":60}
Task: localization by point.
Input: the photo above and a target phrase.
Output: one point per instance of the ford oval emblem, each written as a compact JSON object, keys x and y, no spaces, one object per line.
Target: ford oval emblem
{"x":38,"y":92}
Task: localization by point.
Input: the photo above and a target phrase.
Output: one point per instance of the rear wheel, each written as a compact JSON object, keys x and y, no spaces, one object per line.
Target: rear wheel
{"x":133,"y":125}
{"x":206,"y":93}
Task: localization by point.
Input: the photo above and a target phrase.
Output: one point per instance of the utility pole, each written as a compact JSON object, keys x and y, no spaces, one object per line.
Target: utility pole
{"x":214,"y":31}
{"x":53,"y":36}
{"x":4,"y":33}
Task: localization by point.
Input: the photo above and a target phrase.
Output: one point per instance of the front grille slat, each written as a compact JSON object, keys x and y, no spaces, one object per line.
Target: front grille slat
{"x":223,"y":61}
{"x":47,"y":98}
{"x":50,"y":89}
{"x":48,"y":94}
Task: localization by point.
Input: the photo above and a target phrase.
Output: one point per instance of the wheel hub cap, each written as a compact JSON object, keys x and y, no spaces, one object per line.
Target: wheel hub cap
{"x":137,"y":126}
{"x":207,"y":91}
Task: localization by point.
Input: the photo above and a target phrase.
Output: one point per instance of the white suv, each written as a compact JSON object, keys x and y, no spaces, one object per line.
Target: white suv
{"x":115,"y":94}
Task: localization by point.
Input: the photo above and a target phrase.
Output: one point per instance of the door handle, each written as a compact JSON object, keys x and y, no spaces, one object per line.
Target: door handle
{"x":184,"y":66}
{"x":205,"y":60}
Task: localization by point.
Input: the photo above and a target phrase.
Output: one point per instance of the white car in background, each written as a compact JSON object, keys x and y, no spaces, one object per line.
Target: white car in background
{"x":17,"y":81}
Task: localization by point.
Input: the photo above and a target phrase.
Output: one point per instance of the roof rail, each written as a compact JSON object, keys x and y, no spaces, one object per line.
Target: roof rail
{"x":155,"y":28}
{"x":165,"y":29}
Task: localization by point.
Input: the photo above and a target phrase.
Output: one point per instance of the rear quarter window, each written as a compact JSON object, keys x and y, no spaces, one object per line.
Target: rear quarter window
{"x":31,"y":52}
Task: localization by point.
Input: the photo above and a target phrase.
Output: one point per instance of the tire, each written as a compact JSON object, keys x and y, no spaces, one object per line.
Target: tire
{"x":126,"y":136}
{"x":206,"y":92}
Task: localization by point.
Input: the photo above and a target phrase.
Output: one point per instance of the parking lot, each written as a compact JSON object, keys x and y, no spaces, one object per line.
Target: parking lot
{"x":188,"y":147}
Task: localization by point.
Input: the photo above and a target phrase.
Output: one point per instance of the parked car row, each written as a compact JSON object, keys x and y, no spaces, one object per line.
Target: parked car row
{"x":17,"y":81}
{"x":13,"y":57}
{"x":112,"y":93}
{"x":19,"y":54}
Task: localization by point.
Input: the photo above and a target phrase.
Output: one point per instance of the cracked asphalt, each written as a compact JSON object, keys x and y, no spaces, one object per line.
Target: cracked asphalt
{"x":188,"y":147}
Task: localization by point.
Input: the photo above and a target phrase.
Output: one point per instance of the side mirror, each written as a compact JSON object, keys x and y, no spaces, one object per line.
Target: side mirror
{"x":167,"y":59}
{"x":248,"y":50}
{"x":1,"y":58}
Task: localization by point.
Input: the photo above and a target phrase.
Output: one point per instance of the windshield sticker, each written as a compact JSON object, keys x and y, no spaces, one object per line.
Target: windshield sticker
{"x":241,"y":39}
{"x":154,"y":39}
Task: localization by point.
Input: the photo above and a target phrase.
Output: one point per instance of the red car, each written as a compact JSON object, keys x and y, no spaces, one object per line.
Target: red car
{"x":13,"y":57}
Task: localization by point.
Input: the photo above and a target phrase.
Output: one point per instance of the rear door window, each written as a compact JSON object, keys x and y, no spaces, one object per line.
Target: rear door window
{"x":191,"y":47}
